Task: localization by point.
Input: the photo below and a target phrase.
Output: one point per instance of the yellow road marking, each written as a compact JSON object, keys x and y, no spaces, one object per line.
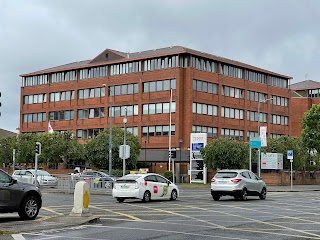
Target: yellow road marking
{"x":261,"y":222}
{"x":51,"y":210}
{"x":119,"y":213}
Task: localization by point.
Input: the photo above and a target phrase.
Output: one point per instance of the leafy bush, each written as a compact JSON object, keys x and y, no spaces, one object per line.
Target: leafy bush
{"x":168,"y":174}
{"x":118,"y":172}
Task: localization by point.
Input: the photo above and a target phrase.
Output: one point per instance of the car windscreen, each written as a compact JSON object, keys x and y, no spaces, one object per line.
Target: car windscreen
{"x":226,"y":175}
{"x":41,"y":173}
{"x":128,"y":179}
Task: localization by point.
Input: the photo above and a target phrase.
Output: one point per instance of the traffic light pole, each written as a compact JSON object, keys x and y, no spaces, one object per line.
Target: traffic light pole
{"x":38,"y":152}
{"x":35,"y":168}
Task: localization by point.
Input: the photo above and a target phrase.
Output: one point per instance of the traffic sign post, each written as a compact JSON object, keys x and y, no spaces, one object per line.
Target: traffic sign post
{"x":255,"y":143}
{"x":290,"y":157}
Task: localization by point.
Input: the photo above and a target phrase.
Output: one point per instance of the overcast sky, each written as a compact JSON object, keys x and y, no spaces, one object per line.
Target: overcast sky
{"x":281,"y":36}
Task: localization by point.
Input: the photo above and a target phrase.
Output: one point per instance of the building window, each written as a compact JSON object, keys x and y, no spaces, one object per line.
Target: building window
{"x":204,"y":109}
{"x":125,"y":89}
{"x":152,"y":131}
{"x":36,"y":98}
{"x":161,"y":85}
{"x":232,"y":92}
{"x":65,"y":76}
{"x":35,"y":80}
{"x":34,"y":117}
{"x":94,"y":72}
{"x":232,"y":133}
{"x":91,"y":113}
{"x":206,"y":87}
{"x":158,"y":108}
{"x":212,"y":132}
{"x":125,"y":68}
{"x":160,"y":63}
{"x":256,"y":77}
{"x":61,"y":115}
{"x":117,"y":111}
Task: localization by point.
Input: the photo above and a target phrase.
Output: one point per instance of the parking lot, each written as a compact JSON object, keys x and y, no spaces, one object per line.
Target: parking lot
{"x":283,"y":215}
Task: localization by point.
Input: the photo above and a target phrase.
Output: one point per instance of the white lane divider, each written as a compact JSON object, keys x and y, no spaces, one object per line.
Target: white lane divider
{"x":18,"y":237}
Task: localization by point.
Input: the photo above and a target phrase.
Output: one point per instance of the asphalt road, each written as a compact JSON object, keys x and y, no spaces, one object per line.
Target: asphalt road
{"x":283,"y":215}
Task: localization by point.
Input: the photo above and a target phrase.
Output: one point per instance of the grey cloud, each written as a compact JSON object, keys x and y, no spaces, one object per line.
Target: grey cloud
{"x":281,"y":36}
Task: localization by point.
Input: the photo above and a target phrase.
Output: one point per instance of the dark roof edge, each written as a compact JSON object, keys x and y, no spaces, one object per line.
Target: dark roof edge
{"x":185,"y":50}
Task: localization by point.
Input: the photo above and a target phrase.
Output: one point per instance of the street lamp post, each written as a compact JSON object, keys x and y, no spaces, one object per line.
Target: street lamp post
{"x":180,"y":143}
{"x":124,"y":143}
{"x":145,"y":150}
{"x":259,"y":152}
{"x":110,"y":129}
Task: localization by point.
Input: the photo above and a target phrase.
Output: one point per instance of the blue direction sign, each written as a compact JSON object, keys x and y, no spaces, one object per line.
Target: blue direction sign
{"x":255,"y":142}
{"x":290,"y":154}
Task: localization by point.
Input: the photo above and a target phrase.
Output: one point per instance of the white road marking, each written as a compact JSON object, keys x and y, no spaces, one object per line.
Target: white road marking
{"x":18,"y":237}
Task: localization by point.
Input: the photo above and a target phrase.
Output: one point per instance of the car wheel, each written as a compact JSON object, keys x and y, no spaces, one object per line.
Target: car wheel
{"x":263,"y":194}
{"x":146,"y":196}
{"x":120,"y":200}
{"x":244,"y":195}
{"x":216,"y":197}
{"x":29,"y":209}
{"x":174,"y":195}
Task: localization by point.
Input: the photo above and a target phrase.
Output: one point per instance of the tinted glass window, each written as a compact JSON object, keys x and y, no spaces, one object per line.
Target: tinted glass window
{"x":253,"y":176}
{"x":226,"y":175}
{"x":151,"y":178}
{"x":245,"y":174}
{"x":4,"y":178}
{"x":161,"y":179}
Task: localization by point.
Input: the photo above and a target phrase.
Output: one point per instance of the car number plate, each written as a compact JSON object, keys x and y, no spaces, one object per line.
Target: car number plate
{"x":124,"y":186}
{"x":223,"y":182}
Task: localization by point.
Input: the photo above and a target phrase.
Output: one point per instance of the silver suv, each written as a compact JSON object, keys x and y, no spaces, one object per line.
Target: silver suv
{"x":15,"y":196}
{"x":239,"y":183}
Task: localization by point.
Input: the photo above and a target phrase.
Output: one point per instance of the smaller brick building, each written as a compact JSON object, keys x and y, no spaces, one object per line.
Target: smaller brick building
{"x":304,"y":94}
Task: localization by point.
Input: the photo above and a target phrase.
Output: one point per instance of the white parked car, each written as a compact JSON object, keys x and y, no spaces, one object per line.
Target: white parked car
{"x":44,"y":178}
{"x":239,"y":183}
{"x":149,"y":186}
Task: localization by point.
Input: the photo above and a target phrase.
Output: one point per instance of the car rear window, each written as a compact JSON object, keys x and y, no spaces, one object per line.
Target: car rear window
{"x":226,"y":175}
{"x":128,"y":179}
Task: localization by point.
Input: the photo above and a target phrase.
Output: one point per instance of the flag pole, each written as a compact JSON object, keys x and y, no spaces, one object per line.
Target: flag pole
{"x":170,"y":129}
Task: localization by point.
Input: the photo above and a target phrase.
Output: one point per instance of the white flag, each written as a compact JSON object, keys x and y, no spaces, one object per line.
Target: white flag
{"x":263,"y":136}
{"x":50,"y":129}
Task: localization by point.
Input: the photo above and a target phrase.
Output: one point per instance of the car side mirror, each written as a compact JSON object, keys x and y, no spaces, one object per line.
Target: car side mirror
{"x":13,"y":181}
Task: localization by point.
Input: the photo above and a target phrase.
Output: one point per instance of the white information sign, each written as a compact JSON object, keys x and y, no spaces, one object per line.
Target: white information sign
{"x":198,"y":170}
{"x":272,"y":161}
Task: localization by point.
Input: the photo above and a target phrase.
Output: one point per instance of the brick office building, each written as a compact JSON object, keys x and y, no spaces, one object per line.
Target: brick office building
{"x":209,"y":94}
{"x":304,"y":95}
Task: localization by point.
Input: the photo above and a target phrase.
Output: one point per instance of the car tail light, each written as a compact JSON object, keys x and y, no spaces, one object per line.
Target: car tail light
{"x":136,"y":186}
{"x":213,"y":180}
{"x":236,"y":180}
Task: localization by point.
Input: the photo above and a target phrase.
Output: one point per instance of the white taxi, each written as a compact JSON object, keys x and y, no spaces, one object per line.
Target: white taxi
{"x":145,"y":187}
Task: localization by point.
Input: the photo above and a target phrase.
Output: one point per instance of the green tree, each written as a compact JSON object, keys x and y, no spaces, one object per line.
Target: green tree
{"x":26,"y":148}
{"x":59,"y":147}
{"x":311,"y":131}
{"x":285,"y":143}
{"x":97,"y":149}
{"x":6,"y":149}
{"x":225,"y":153}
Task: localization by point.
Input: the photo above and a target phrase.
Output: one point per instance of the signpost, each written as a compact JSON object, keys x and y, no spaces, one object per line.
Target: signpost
{"x":255,"y":143}
{"x":290,"y":157}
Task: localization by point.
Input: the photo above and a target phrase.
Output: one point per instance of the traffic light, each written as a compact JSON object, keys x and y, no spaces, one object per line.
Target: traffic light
{"x":38,"y":148}
{"x":173,"y":154}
